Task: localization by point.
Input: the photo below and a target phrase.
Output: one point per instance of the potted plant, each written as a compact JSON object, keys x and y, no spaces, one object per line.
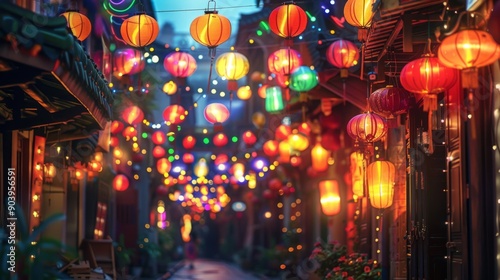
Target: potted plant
{"x":123,"y":256}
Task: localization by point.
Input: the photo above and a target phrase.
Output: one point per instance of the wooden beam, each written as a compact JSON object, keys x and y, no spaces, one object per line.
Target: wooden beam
{"x":59,"y":117}
{"x":38,"y":97}
{"x":390,"y":40}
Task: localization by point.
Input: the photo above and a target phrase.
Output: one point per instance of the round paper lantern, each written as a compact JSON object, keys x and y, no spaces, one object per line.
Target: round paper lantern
{"x":258,"y":120}
{"x":270,"y":148}
{"x":174,"y":114}
{"x":249,"y":138}
{"x":139,"y":30}
{"x":210,"y":29}
{"x":359,"y":13}
{"x":216,"y":113}
{"x":295,"y":161}
{"x":220,"y":139}
{"x":116,"y":127}
{"x":163,"y":165}
{"x":303,"y":79}
{"x":367,"y":127}
{"x":467,"y":50}
{"x":343,"y":54}
{"x":275,"y":184}
{"x":380,"y":177}
{"x":298,"y":141}
{"x":244,"y":93}
{"x":78,"y":23}
{"x":180,"y":64}
{"x":319,"y":157}
{"x":127,"y":62}
{"x":133,"y":115}
{"x":262,"y":91}
{"x":170,"y":88}
{"x":120,"y":183}
{"x":158,"y":152}
{"x":284,"y":61}
{"x":114,"y":141}
{"x":232,"y":66}
{"x":282,"y":132}
{"x":188,"y":142}
{"x":426,"y":75}
{"x":274,"y":100}
{"x":188,"y":158}
{"x":390,"y":101}
{"x":304,"y":128}
{"x":288,"y":20}
{"x":129,"y":132}
{"x":329,"y":197}
{"x":158,"y":137}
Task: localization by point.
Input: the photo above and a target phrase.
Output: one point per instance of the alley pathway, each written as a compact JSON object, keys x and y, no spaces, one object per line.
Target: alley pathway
{"x":211,"y":270}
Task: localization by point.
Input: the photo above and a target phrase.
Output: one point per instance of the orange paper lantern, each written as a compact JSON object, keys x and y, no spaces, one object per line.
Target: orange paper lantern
{"x":380,"y":177}
{"x":270,"y":148}
{"x":120,"y":183}
{"x":139,"y":30}
{"x":284,"y":61}
{"x":288,"y":20}
{"x":343,"y":54}
{"x":133,"y":115}
{"x":78,"y":23}
{"x":329,"y":197}
{"x":216,"y":113}
{"x":188,"y":142}
{"x":319,"y":157}
{"x":174,"y":114}
{"x":210,"y":29}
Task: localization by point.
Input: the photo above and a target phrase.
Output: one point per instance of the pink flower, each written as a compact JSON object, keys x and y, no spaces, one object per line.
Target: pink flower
{"x":344,"y":274}
{"x":350,"y":278}
{"x":367,"y":269}
{"x":342,"y":259}
{"x":336,"y":269}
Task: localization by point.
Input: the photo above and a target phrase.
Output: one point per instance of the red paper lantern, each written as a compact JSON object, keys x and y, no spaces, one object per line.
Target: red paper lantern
{"x":116,"y":127}
{"x":284,"y":61}
{"x":133,"y":115}
{"x":188,"y":158}
{"x":128,"y":62}
{"x":78,"y":23}
{"x":158,"y":138}
{"x":180,"y":64}
{"x":342,"y":54}
{"x":174,"y":114}
{"x":163,"y":165}
{"x":275,"y":184}
{"x":295,"y":161}
{"x":282,"y":132}
{"x":426,"y":75}
{"x":216,"y":113}
{"x":114,"y":141}
{"x":158,"y":152}
{"x":390,"y":101}
{"x":262,"y":91}
{"x":139,"y":30}
{"x":270,"y":148}
{"x":288,"y":20}
{"x":221,"y":159}
{"x":188,"y":142}
{"x":120,"y":183}
{"x":220,"y":139}
{"x":129,"y":132}
{"x":367,"y":127}
{"x":319,"y":157}
{"x":249,"y":137}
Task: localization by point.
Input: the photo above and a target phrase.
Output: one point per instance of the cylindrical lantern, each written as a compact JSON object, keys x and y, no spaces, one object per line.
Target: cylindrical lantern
{"x":188,"y":142}
{"x":319,"y":157}
{"x":244,"y":93}
{"x":210,"y":29}
{"x":133,"y":115}
{"x":329,"y":197}
{"x":232,"y":66}
{"x":303,"y":79}
{"x":380,"y":177}
{"x":120,"y":183}
{"x":367,"y":127}
{"x":467,"y":50}
{"x":270,"y":148}
{"x":258,"y":120}
{"x":357,"y":173}
{"x":288,"y":20}
{"x":78,"y":23}
{"x":343,"y":54}
{"x":174,"y":114}
{"x":180,"y":64}
{"x":390,"y":101}
{"x":284,"y":61}
{"x":284,"y":151}
{"x":139,"y":30}
{"x":216,"y":113}
{"x":158,"y":137}
{"x":274,"y":100}
{"x":359,"y":13}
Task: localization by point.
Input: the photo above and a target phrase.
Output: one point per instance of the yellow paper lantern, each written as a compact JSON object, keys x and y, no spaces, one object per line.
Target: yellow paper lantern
{"x":329,"y":197}
{"x":357,"y":174}
{"x":232,"y":66}
{"x":170,"y":88}
{"x":380,"y":177}
{"x":359,"y":13}
{"x":244,"y":93}
{"x":298,"y":141}
{"x":139,"y":30}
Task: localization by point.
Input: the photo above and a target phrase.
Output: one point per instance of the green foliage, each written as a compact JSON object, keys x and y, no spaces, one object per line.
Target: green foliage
{"x":37,"y":256}
{"x":335,"y":264}
{"x":122,"y":253}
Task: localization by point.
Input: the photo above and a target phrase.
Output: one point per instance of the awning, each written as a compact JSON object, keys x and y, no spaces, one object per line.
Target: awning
{"x":47,"y":78}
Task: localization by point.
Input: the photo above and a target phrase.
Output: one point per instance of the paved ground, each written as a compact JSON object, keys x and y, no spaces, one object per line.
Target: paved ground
{"x":210,"y":270}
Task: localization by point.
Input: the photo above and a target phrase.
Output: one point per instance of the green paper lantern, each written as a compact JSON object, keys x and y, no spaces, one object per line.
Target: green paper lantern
{"x":274,"y":99}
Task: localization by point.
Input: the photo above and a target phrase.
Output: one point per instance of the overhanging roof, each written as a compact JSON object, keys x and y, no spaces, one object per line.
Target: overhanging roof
{"x":47,"y":78}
